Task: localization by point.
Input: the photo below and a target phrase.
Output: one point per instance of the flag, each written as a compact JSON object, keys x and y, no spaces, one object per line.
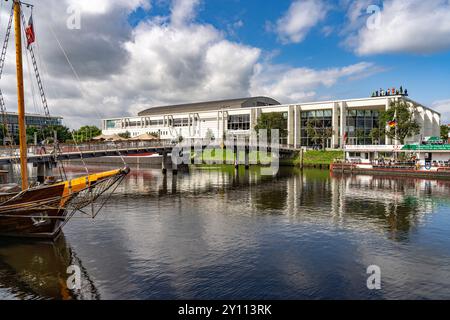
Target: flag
{"x":392,"y":123}
{"x":29,"y":31}
{"x":345,"y":137}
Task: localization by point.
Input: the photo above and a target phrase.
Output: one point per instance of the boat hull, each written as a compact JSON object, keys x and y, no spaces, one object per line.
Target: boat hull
{"x":29,"y":221}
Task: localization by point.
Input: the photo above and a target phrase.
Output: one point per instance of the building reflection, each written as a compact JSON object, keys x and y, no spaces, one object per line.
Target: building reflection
{"x":393,"y":205}
{"x":38,"y":270}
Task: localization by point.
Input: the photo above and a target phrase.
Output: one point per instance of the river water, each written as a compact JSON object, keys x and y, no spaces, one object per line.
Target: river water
{"x":215,"y":234}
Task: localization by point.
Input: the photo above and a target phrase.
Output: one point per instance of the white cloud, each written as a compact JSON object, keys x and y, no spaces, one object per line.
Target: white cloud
{"x":163,"y":60}
{"x":412,"y":26}
{"x":183,"y":11}
{"x":443,"y":107}
{"x":300,"y":84}
{"x":299,"y":19}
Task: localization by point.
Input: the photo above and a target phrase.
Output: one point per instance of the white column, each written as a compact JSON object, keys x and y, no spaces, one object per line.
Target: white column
{"x":290,"y":128}
{"x":335,"y":123}
{"x":297,"y":126}
{"x":343,"y":107}
{"x":388,"y":140}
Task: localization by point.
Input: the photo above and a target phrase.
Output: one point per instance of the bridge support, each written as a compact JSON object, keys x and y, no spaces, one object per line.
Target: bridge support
{"x":247,"y":158}
{"x":164,"y":161}
{"x":174,"y":169}
{"x":44,"y":170}
{"x":41,"y":172}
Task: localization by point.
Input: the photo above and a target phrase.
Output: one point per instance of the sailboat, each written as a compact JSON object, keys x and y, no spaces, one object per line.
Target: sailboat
{"x":41,"y":211}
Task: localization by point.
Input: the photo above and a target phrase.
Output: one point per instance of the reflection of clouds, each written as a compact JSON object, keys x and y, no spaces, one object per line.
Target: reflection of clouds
{"x":298,"y":236}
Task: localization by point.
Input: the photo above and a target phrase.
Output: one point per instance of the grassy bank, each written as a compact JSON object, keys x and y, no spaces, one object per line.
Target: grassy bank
{"x":311,"y":158}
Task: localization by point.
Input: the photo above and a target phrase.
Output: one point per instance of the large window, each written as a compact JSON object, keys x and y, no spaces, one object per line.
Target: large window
{"x":239,"y":122}
{"x":360,"y":125}
{"x":316,"y":128}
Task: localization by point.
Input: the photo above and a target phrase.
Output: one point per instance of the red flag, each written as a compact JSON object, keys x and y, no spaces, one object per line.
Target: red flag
{"x":29,"y":31}
{"x":392,"y":123}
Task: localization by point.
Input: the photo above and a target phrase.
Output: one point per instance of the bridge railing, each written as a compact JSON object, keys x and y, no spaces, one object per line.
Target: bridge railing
{"x":7,"y":151}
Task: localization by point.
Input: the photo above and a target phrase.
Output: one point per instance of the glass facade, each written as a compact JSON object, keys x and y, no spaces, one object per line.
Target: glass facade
{"x":321,"y":121}
{"x":12,"y":121}
{"x":239,"y":122}
{"x":360,"y":124}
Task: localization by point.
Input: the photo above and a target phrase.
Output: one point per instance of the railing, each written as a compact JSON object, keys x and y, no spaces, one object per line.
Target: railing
{"x":8,"y":151}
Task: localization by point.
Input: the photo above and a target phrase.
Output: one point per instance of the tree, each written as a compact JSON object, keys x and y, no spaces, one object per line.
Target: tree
{"x":31,"y":131}
{"x":327,"y":133}
{"x":312,"y":132}
{"x":209,"y":135}
{"x":273,"y":121}
{"x":445,"y":131}
{"x":63,"y":133}
{"x":360,"y":135}
{"x":375,"y":135}
{"x":86,"y":133}
{"x":47,"y":133}
{"x":125,"y":135}
{"x":406,"y":126}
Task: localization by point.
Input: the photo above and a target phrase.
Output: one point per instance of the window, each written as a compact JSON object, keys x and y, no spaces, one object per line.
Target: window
{"x":239,"y":122}
{"x":321,"y":121}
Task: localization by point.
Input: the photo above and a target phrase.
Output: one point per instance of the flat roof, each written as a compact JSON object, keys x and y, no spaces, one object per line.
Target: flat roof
{"x":209,"y":105}
{"x":239,"y":103}
{"x":31,"y":115}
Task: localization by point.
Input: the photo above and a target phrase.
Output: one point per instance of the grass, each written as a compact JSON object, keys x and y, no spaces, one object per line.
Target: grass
{"x":219,"y":156}
{"x":319,"y":157}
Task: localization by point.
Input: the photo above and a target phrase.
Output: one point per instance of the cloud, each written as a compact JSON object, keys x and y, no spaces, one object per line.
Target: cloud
{"x":300,"y":18}
{"x":162,"y":60}
{"x":413,"y":26}
{"x":443,"y":107}
{"x":300,"y":84}
{"x":183,"y":11}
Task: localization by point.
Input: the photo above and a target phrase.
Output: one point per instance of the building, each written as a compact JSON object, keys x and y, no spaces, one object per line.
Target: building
{"x":353,"y":119}
{"x":31,"y":120}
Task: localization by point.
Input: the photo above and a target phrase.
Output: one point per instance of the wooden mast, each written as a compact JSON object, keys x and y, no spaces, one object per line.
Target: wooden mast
{"x":20,"y":97}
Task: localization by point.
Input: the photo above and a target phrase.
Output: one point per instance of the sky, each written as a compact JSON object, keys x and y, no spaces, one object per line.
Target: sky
{"x":113,"y":58}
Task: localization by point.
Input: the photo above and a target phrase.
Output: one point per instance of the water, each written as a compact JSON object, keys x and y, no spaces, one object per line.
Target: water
{"x":212,"y":234}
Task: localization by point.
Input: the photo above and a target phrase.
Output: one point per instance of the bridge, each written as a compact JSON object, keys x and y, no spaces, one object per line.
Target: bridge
{"x":46,"y":154}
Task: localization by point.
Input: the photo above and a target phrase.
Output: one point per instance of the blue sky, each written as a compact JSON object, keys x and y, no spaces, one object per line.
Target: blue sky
{"x":134,"y":54}
{"x":254,"y":23}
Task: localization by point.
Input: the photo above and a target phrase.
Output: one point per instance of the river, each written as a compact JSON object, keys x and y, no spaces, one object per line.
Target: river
{"x":215,"y":234}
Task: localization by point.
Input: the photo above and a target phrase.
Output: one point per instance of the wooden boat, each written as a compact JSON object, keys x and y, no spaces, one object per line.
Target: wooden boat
{"x":42,"y":211}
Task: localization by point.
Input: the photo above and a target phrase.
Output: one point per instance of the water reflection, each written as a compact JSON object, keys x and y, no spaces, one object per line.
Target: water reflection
{"x":214,"y":233}
{"x":38,"y":270}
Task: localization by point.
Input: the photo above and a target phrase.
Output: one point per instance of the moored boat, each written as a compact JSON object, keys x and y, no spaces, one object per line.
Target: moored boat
{"x":41,"y":211}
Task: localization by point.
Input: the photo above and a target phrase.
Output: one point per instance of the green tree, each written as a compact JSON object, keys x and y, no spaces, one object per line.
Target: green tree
{"x":3,"y":133}
{"x":87,"y":133}
{"x":125,"y":135}
{"x":326,"y":134}
{"x":47,"y":133}
{"x":312,"y":132}
{"x":273,"y":121}
{"x":209,"y":135}
{"x":406,"y":126}
{"x":375,"y":135}
{"x":360,"y":136}
{"x":445,"y":130}
{"x":63,"y":133}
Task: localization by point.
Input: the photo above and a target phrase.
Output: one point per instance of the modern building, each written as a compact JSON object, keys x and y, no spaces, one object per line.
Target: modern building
{"x":31,"y":120}
{"x":352,"y":120}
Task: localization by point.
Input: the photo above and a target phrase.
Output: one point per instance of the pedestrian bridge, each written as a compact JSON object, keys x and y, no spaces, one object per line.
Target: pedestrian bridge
{"x":46,"y":154}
